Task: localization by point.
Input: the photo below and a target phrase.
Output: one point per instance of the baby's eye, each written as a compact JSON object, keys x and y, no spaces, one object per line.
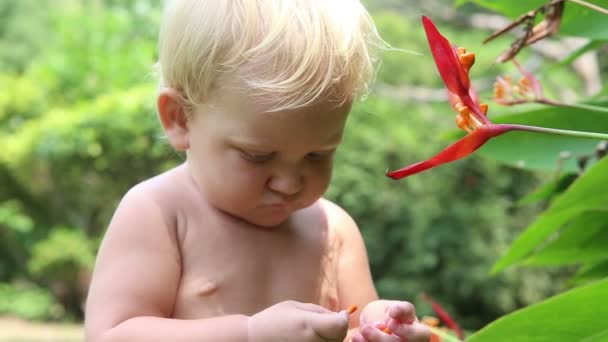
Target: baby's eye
{"x":320,"y":155}
{"x":257,"y":157}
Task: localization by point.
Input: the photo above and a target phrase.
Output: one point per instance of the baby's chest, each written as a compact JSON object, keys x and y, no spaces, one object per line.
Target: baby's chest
{"x":245,"y":273}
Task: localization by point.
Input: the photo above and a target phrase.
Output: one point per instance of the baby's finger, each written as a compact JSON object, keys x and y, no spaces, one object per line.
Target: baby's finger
{"x":358,"y":338}
{"x":403,"y":312}
{"x":412,"y":332}
{"x":373,"y":334}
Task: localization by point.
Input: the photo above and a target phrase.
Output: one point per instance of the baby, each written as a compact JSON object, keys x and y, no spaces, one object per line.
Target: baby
{"x":237,"y":243}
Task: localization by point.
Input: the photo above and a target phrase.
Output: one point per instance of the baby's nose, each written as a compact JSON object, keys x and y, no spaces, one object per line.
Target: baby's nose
{"x":288,"y":183}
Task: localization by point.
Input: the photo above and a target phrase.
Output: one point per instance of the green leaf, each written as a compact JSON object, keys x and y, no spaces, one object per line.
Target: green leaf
{"x":586,"y":194}
{"x":548,"y":190}
{"x":64,"y":249}
{"x":584,"y":22}
{"x":589,"y":273}
{"x":542,"y":151}
{"x":511,"y":9}
{"x":584,"y":240}
{"x":13,"y":218}
{"x":576,"y":315}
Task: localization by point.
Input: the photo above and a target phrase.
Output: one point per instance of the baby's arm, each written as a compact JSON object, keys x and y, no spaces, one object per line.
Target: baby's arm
{"x":355,"y":285}
{"x":136,"y":278}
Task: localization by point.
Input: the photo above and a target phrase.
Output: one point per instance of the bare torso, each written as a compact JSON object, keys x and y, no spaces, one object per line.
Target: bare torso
{"x":229,"y":266}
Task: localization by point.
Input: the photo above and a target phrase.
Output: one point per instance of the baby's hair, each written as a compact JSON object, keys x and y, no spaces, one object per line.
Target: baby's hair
{"x":288,"y":53}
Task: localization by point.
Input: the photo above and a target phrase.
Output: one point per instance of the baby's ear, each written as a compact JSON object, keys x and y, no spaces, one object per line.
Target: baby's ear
{"x":173,"y":117}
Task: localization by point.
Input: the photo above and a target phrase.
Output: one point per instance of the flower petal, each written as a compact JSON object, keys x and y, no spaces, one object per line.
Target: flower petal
{"x":537,"y":88}
{"x":444,"y":316}
{"x":460,"y":149}
{"x":454,"y":75}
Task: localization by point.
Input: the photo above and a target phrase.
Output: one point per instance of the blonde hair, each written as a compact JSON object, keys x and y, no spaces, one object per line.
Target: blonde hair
{"x":289,"y":53}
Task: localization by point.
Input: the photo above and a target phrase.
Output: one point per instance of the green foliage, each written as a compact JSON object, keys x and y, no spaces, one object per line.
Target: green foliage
{"x":543,"y":151}
{"x":583,"y":240}
{"x":70,"y":122}
{"x":549,"y":190}
{"x":573,"y":230}
{"x":20,"y":39}
{"x":512,"y":10}
{"x":403,"y":36}
{"x":28,"y":302}
{"x":13,"y":220}
{"x":590,"y":273}
{"x":571,"y":316}
{"x":16,"y":230}
{"x":63,"y":251}
{"x":107,"y":42}
{"x":585,"y":195}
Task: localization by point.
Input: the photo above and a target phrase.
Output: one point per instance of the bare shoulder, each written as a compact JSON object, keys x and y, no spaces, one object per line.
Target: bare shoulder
{"x":339,"y":221}
{"x":150,"y":207}
{"x":171,"y":193}
{"x":166,"y":190}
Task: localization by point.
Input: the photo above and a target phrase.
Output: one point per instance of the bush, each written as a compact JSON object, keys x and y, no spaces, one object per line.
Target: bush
{"x":28,"y":302}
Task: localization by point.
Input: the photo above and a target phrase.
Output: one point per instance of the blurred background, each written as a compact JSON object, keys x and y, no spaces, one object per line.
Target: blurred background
{"x":78,"y":128}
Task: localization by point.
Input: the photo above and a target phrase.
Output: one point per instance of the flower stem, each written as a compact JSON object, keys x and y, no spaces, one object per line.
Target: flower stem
{"x":590,"y":5}
{"x":554,"y":131}
{"x":573,"y":105}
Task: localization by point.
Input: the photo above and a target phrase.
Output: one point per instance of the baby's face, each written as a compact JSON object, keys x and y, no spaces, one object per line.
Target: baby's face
{"x":261,"y":166}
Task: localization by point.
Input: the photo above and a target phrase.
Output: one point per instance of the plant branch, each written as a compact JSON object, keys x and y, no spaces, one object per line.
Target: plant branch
{"x":548,"y":102}
{"x":573,"y":105}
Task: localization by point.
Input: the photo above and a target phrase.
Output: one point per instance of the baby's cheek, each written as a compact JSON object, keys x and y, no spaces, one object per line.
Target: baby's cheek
{"x":320,"y":180}
{"x":253,"y":182}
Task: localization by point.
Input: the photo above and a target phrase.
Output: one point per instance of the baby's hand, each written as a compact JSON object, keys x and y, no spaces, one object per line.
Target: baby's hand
{"x":298,"y":322}
{"x":400,"y":324}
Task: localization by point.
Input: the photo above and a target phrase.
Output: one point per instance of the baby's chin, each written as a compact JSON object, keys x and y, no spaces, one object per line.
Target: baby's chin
{"x":269,"y":222}
{"x":270,"y":216}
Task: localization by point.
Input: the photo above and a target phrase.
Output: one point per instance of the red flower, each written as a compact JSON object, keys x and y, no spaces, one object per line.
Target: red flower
{"x":444,"y":316}
{"x":527,"y":89}
{"x":454,"y":64}
{"x":458,"y":150}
